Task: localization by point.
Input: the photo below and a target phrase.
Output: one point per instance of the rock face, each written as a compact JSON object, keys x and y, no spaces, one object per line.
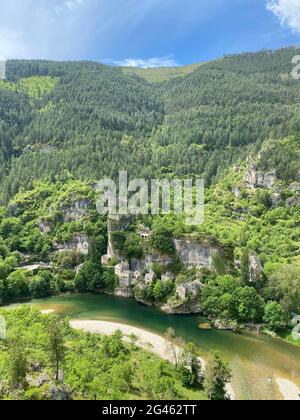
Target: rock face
{"x":257,"y":179}
{"x":295,"y":187}
{"x":293,"y":201}
{"x":80,"y":243}
{"x":255,"y":269}
{"x":195,"y":255}
{"x":112,"y":225}
{"x":76,"y":211}
{"x":276,"y":199}
{"x":45,"y":226}
{"x":146,"y":263}
{"x":236,"y":191}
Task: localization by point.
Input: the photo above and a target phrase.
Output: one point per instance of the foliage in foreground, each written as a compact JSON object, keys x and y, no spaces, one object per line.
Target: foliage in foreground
{"x":39,"y":349}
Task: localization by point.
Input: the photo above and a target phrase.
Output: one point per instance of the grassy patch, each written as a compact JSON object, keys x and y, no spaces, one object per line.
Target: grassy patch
{"x":287,"y":336}
{"x":162,"y":74}
{"x":37,"y":86}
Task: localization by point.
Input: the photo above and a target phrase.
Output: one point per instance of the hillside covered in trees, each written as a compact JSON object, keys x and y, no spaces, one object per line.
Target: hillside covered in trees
{"x":233,"y":121}
{"x":90,"y":120}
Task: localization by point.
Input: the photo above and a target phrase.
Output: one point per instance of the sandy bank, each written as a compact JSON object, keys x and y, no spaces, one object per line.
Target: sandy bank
{"x":48,"y":311}
{"x":288,"y":389}
{"x":146,"y":340}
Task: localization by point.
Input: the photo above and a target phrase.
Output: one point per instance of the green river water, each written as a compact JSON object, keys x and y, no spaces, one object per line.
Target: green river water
{"x":256,"y":360}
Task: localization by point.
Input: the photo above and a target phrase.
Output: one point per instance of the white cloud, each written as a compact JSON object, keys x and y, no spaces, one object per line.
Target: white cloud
{"x":71,"y":4}
{"x":288,"y":11}
{"x":167,"y":61}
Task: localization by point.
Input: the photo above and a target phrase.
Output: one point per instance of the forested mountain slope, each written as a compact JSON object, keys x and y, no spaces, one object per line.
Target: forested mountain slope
{"x":91,"y":121}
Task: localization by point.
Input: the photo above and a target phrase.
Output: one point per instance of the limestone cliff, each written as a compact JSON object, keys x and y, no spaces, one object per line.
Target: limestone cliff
{"x":194,"y":254}
{"x":80,"y":243}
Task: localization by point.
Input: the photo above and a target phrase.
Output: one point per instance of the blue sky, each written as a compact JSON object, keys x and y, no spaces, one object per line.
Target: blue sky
{"x":145,"y":32}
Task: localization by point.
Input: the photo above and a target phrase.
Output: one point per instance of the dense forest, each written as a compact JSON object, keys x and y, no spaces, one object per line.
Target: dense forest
{"x":90,"y":120}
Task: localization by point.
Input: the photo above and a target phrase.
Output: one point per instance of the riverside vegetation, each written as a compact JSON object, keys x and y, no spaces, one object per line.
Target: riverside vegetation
{"x":234,"y":122}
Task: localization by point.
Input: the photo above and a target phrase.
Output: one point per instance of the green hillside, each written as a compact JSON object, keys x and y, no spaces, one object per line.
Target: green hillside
{"x":162,"y":74}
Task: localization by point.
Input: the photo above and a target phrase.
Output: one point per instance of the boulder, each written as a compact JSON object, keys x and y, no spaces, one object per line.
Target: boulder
{"x":37,"y":381}
{"x":59,"y":393}
{"x":167,"y":277}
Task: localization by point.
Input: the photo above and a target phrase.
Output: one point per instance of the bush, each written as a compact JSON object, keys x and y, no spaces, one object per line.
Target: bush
{"x":162,"y":241}
{"x":39,"y":287}
{"x":110,"y":280}
{"x":276,"y":316}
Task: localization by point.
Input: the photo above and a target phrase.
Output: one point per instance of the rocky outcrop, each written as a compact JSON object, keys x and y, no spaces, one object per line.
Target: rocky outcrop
{"x":275,"y":199}
{"x":79,"y":243}
{"x":33,"y":268}
{"x":255,"y":269}
{"x":295,"y":187}
{"x":225,"y":325}
{"x":189,"y":290}
{"x":113,"y":224}
{"x":187,"y":299}
{"x":125,"y":292}
{"x":236,"y":191}
{"x":59,"y":393}
{"x":293,"y":202}
{"x":193,"y":306}
{"x":194,"y":254}
{"x":137,"y":275}
{"x":257,"y":179}
{"x":38,"y":380}
{"x":45,"y":226}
